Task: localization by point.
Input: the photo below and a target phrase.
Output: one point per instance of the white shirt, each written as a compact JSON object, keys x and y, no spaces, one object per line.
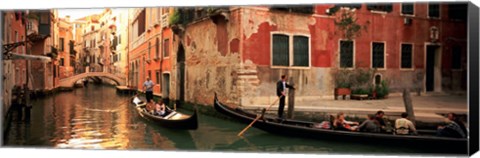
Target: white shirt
{"x":284,"y":86}
{"x":136,"y":100}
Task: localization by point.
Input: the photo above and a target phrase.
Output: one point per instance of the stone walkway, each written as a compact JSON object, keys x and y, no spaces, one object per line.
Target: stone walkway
{"x":427,"y":108}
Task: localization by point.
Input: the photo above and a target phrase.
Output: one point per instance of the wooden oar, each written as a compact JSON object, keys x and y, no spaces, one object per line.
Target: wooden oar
{"x":258,"y":117}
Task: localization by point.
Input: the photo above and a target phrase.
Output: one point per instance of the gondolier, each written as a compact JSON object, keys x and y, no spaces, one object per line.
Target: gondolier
{"x":148,"y":88}
{"x":282,"y":86}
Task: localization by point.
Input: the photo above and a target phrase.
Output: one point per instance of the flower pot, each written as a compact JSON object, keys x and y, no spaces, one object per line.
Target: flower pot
{"x":343,"y":92}
{"x":359,"y":96}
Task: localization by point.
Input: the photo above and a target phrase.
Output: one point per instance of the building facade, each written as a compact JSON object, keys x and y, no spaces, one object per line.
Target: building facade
{"x":240,"y":52}
{"x":149,"y":49}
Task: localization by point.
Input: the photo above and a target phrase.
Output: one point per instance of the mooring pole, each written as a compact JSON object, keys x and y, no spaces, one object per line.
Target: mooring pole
{"x":291,"y":99}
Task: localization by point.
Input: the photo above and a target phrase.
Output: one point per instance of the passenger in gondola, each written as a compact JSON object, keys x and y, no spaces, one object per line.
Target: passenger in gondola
{"x":341,"y":124}
{"x":403,"y":126}
{"x":385,"y":125}
{"x":160,"y":109}
{"x":151,"y":107}
{"x":455,"y":128}
{"x":369,"y":125}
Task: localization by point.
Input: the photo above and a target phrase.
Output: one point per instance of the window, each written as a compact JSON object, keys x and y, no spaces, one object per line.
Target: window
{"x":457,"y":11}
{"x":22,"y":50}
{"x":157,"y":74}
{"x":157,"y":48}
{"x":16,"y":40}
{"x":119,"y":38}
{"x":407,"y":53}
{"x":346,"y":54}
{"x":281,"y":50}
{"x":300,"y":51}
{"x":456,"y":57}
{"x":407,"y":8}
{"x":61,"y":44}
{"x":141,"y":23}
{"x":166,"y":48}
{"x":387,"y":7}
{"x":149,"y":52}
{"x":150,"y":74}
{"x":62,"y":62}
{"x":44,"y":18}
{"x":378,"y":55}
{"x":434,"y":10}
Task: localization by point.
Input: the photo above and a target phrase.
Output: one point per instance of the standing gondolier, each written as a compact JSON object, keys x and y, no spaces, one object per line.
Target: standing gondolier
{"x":148,"y":88}
{"x":282,"y":86}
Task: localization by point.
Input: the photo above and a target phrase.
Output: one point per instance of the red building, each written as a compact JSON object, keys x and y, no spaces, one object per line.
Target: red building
{"x":242,"y":51}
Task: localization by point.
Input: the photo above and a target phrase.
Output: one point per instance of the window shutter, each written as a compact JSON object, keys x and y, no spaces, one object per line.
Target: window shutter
{"x":280,"y":50}
{"x":300,"y":51}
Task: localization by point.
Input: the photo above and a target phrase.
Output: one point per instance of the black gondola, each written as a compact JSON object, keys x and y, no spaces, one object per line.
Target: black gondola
{"x":174,"y":119}
{"x":295,"y":128}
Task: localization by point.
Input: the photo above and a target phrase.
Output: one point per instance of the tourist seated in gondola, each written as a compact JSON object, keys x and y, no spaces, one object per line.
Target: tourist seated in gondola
{"x":403,"y":126}
{"x":160,"y":109}
{"x":369,"y":125}
{"x":385,"y":125}
{"x":150,"y":107}
{"x":454,"y":128}
{"x":341,"y":124}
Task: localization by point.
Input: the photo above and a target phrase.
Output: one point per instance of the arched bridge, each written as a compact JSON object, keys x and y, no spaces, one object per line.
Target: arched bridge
{"x":70,"y":81}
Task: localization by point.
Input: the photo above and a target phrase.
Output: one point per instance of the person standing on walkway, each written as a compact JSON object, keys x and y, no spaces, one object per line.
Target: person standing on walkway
{"x":282,"y":86}
{"x":148,"y":88}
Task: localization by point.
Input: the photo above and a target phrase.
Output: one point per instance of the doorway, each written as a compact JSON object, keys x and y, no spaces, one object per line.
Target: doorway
{"x":433,"y":68}
{"x":181,"y":73}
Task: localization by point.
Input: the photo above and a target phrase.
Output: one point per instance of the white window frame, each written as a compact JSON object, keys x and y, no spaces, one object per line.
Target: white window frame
{"x":412,"y":60}
{"x":408,"y":15}
{"x":384,"y":54}
{"x":290,"y":51}
{"x":339,"y":55}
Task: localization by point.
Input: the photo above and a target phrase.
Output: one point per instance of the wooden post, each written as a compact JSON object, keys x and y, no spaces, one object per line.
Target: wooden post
{"x":407,"y":100}
{"x":291,"y":100}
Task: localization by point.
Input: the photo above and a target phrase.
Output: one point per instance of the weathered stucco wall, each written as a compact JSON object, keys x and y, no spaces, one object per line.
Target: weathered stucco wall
{"x":212,"y":60}
{"x":258,"y":26}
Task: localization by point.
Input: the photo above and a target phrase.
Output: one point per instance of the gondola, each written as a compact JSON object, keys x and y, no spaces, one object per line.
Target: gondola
{"x":173,"y":119}
{"x":306,"y":129}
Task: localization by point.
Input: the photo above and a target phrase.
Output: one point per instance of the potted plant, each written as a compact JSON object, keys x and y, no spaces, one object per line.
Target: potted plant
{"x":382,"y":90}
{"x":342,"y":84}
{"x":360,"y":94}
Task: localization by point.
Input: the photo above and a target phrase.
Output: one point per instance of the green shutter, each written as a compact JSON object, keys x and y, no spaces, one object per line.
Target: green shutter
{"x":346,"y":54}
{"x":280,"y":50}
{"x":300,"y":51}
{"x":378,"y":55}
{"x":406,"y":56}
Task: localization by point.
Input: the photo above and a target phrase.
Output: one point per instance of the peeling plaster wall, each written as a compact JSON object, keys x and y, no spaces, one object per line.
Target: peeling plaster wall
{"x":212,"y":61}
{"x":259,"y":83}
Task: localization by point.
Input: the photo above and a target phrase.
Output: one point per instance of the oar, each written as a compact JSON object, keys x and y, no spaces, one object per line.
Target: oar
{"x":258,"y":117}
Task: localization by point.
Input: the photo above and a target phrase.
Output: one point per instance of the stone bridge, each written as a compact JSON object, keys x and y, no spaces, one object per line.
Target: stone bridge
{"x":70,"y":81}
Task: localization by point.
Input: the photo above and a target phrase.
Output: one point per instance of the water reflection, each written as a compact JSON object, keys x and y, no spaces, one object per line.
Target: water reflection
{"x":96,"y":117}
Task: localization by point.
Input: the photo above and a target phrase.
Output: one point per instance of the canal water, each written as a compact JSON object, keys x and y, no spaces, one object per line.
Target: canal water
{"x":96,"y":117}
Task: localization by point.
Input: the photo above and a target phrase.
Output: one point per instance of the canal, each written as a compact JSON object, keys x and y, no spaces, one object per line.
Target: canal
{"x":96,"y":117}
